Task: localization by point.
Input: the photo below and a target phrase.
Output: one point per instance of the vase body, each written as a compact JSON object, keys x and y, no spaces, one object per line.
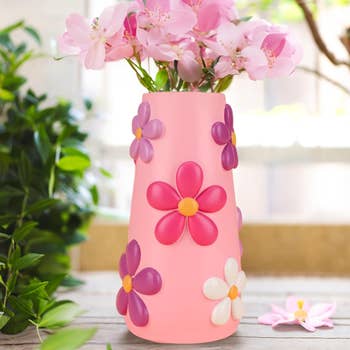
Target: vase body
{"x":179,"y":312}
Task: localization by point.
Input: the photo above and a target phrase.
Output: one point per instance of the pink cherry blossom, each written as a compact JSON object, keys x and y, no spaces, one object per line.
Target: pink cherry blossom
{"x":187,"y":206}
{"x":300,"y":312}
{"x":89,"y":40}
{"x":272,"y":53}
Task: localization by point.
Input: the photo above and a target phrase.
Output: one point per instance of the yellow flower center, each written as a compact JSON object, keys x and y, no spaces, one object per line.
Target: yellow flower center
{"x":233,"y":293}
{"x":127,"y":283}
{"x":138,"y":133}
{"x":300,"y":314}
{"x":188,"y":206}
{"x":233,"y":138}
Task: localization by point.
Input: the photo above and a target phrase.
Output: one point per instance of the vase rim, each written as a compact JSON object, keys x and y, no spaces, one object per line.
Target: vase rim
{"x":184,"y":93}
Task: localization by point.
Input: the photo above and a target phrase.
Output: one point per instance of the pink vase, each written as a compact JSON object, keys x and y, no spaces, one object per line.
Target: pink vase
{"x":181,"y":273}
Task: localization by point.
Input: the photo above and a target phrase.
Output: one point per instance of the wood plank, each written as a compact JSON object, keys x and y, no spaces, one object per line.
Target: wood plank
{"x":97,"y":296}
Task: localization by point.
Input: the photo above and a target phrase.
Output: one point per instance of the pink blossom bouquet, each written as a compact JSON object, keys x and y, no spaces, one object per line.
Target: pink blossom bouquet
{"x":196,"y":45}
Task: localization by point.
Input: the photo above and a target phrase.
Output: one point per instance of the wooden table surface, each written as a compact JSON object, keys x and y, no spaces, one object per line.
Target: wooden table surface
{"x":97,"y":296}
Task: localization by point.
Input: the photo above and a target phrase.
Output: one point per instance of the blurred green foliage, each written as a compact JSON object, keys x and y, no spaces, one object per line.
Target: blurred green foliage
{"x":45,"y":202}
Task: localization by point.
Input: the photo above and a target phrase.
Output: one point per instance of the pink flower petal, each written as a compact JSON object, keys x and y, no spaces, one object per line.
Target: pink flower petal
{"x":162,"y":196}
{"x":270,"y":318}
{"x":112,"y":18}
{"x":228,"y":115}
{"x":202,"y":229}
{"x":145,"y":150}
{"x":133,"y":256}
{"x":137,"y":310}
{"x":189,"y":179}
{"x":208,"y":17}
{"x":122,"y":301}
{"x":322,"y":310}
{"x":212,"y":199}
{"x":123,"y":266}
{"x":283,"y":321}
{"x":309,"y":327}
{"x":278,"y":310}
{"x":144,"y":113}
{"x":292,"y":304}
{"x":95,"y":57}
{"x":134,"y":149}
{"x":147,"y":281}
{"x":229,"y":157}
{"x":170,"y":228}
{"x":189,"y":69}
{"x":153,"y":129}
{"x":78,"y":29}
{"x":220,"y":133}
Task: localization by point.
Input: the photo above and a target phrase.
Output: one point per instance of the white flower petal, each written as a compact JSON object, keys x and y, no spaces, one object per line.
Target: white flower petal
{"x":221,"y":312}
{"x":241,"y":281}
{"x":237,"y":309}
{"x":215,"y":288}
{"x":231,"y":270}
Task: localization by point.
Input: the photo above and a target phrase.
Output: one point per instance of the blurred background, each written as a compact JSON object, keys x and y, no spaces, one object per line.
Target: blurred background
{"x":293,"y":134}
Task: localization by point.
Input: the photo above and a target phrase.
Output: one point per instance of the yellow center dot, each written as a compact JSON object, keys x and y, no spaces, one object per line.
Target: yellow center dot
{"x":233,"y":293}
{"x":300,"y":314}
{"x":188,"y":206}
{"x":127,"y":283}
{"x":233,"y":138}
{"x":138,"y":133}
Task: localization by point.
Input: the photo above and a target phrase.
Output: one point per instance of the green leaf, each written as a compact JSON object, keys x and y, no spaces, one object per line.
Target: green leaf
{"x":16,"y":324}
{"x":105,"y":173}
{"x":26,"y":261}
{"x":22,"y":304}
{"x":71,"y":282}
{"x":108,"y":346}
{"x":12,"y":27}
{"x":75,"y":238}
{"x":24,"y":170}
{"x":33,"y":33}
{"x":24,"y":230}
{"x":94,"y":194}
{"x":161,"y":78}
{"x":60,"y":315}
{"x":3,"y":320}
{"x":6,"y":95}
{"x":68,"y":339}
{"x":42,"y":143}
{"x":224,"y":83}
{"x":4,"y":236}
{"x":41,"y":205}
{"x":73,"y":163}
{"x":35,"y":287}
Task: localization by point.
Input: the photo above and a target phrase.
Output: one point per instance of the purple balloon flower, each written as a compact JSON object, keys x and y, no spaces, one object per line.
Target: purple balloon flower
{"x":224,"y":134}
{"x":144,"y":130}
{"x":147,"y":282}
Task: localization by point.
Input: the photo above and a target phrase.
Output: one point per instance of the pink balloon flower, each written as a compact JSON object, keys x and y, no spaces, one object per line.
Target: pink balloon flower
{"x":187,"y":206}
{"x":271,"y":53}
{"x":299,"y":312}
{"x":90,"y":41}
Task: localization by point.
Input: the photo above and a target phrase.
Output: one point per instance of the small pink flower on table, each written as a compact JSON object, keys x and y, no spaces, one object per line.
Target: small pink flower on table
{"x":300,"y":312}
{"x":144,"y":130}
{"x":187,"y":205}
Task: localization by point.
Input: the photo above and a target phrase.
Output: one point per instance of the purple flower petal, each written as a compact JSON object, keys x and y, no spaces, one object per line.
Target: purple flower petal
{"x":137,"y":310}
{"x":229,"y":117}
{"x":147,"y":281}
{"x":122,"y":301}
{"x":220,"y":133}
{"x":145,"y":150}
{"x":153,"y":129}
{"x":134,"y":149}
{"x":144,"y":113}
{"x":133,"y":256}
{"x":135,"y":124}
{"x":229,"y":157}
{"x":123,"y":266}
